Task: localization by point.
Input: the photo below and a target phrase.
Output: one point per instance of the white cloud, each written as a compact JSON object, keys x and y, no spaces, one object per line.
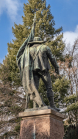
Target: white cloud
{"x":10,"y":7}
{"x":70,"y":37}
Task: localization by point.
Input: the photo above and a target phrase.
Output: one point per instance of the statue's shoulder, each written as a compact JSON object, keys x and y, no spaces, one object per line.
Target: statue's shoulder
{"x":44,"y":47}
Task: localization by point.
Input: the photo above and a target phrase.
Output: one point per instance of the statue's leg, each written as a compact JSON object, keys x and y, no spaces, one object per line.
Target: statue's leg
{"x":47,"y":80}
{"x":45,"y":76}
{"x":36,"y":79}
{"x":35,"y":85}
{"x":36,"y":82}
{"x":37,"y":97}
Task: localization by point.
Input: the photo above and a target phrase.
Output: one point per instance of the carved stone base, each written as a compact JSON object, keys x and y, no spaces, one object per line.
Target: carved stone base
{"x":41,"y":124}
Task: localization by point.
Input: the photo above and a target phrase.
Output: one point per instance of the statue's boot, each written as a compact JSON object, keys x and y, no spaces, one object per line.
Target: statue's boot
{"x":51,"y":101}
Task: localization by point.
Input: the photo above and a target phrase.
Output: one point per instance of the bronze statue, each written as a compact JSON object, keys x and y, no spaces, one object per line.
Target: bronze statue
{"x":32,"y":59}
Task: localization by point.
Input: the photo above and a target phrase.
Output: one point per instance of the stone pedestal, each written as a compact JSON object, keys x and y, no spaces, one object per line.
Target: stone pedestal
{"x":41,"y":124}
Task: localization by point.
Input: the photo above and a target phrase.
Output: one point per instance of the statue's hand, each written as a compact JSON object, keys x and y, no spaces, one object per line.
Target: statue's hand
{"x":57,"y":70}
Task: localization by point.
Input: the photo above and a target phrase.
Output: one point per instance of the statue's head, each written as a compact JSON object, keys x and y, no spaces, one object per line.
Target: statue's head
{"x":36,"y":40}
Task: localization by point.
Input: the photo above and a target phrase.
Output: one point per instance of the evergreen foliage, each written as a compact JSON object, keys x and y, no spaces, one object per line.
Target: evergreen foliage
{"x":60,"y":87}
{"x":69,"y":68}
{"x":72,"y":108}
{"x":10,"y":105}
{"x":9,"y":72}
{"x":71,"y":132}
{"x":44,"y":28}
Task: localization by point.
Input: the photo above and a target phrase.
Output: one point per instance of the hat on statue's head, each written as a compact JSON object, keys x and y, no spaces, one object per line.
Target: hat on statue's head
{"x":36,"y":40}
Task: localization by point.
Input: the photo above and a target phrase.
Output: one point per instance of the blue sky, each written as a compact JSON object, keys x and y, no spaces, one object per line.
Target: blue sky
{"x":65,"y":14}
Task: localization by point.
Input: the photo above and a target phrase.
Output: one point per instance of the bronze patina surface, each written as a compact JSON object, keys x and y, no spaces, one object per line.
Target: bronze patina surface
{"x":32,"y":59}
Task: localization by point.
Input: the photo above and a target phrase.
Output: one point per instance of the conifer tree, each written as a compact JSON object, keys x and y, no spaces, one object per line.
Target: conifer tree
{"x":72,"y":108}
{"x":70,"y":69}
{"x":44,"y":28}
